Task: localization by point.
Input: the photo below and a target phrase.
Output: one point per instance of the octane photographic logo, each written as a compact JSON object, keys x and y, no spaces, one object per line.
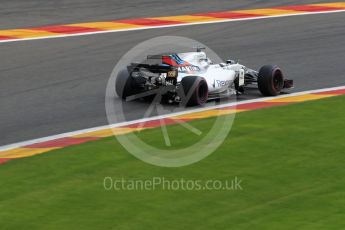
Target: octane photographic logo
{"x":166,"y":148}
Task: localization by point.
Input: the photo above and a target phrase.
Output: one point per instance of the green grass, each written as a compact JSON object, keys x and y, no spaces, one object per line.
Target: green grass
{"x":290,"y":159}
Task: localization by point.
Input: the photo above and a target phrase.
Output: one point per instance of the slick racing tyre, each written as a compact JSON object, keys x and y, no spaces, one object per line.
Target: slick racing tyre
{"x":124,"y":84}
{"x":270,"y":80}
{"x":195,"y":90}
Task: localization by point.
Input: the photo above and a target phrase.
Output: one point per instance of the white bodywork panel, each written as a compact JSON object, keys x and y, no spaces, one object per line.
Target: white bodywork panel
{"x":219,"y":77}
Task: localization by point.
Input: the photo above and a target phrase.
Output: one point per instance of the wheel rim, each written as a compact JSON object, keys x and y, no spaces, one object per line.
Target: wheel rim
{"x":277,"y":80}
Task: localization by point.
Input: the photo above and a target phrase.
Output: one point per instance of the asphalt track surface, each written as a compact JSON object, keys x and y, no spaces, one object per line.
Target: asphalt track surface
{"x":58,"y":85}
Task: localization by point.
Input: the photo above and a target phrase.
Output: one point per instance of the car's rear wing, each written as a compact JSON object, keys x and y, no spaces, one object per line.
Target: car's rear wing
{"x":155,"y":68}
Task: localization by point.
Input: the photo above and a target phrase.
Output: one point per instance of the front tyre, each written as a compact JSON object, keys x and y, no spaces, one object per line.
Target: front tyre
{"x":270,"y":80}
{"x":195,"y":90}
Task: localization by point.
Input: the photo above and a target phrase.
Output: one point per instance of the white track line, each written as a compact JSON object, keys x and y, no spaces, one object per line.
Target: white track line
{"x":83,"y":131}
{"x":169,"y":26}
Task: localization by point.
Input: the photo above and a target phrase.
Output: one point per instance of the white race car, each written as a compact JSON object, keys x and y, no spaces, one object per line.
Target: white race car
{"x":192,"y":79}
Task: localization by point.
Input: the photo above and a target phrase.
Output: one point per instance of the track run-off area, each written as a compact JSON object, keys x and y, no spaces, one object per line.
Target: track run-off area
{"x":88,"y":28}
{"x":42,"y":145}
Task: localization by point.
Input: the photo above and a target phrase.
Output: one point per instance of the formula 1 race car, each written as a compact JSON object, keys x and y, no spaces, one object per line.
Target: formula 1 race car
{"x":192,"y":79}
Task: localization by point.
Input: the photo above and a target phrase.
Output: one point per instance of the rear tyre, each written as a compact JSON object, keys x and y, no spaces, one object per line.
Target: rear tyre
{"x":195,"y":90}
{"x":124,"y":84}
{"x":270,"y":80}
